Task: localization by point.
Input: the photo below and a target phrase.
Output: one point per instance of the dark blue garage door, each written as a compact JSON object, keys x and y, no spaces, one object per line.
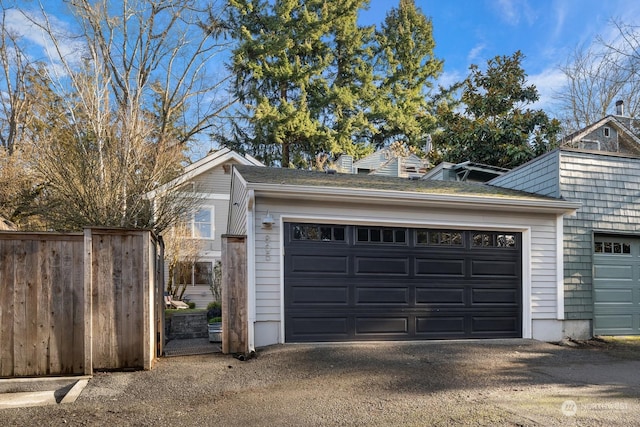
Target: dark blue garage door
{"x":349,"y":283}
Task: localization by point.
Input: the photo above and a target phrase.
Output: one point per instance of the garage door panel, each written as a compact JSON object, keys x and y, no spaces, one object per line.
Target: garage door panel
{"x":382,"y":295}
{"x":495,"y":296}
{"x":613,"y":272}
{"x":440,"y":267}
{"x":441,"y":325}
{"x":492,"y":324}
{"x":483,"y":267}
{"x":616,"y":285}
{"x":381,"y":325}
{"x":319,"y":326}
{"x":613,"y":296}
{"x":408,"y":287}
{"x":319,"y":295}
{"x":617,"y":322}
{"x":371,"y":265}
{"x":449,"y":296}
{"x":318,"y":264}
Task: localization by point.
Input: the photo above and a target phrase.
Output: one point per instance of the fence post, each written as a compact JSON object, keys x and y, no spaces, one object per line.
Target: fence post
{"x":235,"y":332}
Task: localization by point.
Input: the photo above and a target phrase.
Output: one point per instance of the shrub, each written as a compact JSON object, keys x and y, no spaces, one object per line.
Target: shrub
{"x":192,"y":304}
{"x":215,"y":320}
{"x":214,"y":309}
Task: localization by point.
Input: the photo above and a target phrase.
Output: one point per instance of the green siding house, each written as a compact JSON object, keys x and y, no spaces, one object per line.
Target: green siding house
{"x":602,"y":240}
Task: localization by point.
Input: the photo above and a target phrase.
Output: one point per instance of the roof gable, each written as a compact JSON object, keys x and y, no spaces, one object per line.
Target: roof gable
{"x":205,"y":164}
{"x":630,"y":143}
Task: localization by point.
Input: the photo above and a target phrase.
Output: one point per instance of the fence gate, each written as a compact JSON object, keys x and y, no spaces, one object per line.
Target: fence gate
{"x":74,"y":302}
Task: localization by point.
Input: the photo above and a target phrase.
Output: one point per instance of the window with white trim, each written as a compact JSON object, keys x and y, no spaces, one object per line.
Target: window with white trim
{"x":194,"y":273}
{"x":202,"y":225}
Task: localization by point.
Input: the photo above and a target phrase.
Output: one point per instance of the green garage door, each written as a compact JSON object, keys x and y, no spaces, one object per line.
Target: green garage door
{"x":616,"y":284}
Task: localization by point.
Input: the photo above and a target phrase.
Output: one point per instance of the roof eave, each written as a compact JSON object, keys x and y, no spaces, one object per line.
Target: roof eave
{"x":406,"y":198}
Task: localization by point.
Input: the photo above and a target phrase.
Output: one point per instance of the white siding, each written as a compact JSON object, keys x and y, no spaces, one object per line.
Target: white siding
{"x":213,"y":186}
{"x":238,"y":208}
{"x":216,"y":180}
{"x":540,"y":228}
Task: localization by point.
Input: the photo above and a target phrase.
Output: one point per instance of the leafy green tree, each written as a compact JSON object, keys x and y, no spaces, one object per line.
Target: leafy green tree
{"x":406,"y":70}
{"x":495,"y":127}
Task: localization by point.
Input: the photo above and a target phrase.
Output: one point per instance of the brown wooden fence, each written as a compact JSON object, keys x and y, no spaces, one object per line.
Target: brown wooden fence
{"x":71,"y":303}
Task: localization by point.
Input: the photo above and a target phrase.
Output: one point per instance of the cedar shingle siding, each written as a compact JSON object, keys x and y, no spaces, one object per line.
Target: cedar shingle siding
{"x":608,"y":186}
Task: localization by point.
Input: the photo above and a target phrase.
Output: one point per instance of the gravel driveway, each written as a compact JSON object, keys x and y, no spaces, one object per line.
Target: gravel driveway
{"x":496,"y":382}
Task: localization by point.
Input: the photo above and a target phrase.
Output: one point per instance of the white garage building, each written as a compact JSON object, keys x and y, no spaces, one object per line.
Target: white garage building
{"x":337,"y":257}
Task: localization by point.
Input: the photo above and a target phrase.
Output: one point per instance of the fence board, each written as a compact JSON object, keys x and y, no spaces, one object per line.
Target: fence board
{"x":7,"y":275}
{"x":43,"y":316}
{"x":70,"y":303}
{"x":34,"y":293}
{"x":20,"y":313}
{"x":118,"y":300}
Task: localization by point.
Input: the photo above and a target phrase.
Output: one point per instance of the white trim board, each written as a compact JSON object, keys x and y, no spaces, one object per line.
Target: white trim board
{"x":527,"y":317}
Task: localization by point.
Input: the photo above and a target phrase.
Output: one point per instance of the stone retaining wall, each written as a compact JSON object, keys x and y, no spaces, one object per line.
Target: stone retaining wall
{"x":182,"y":326}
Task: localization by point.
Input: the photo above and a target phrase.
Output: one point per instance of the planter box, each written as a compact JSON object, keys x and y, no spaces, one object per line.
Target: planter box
{"x":215,"y":332}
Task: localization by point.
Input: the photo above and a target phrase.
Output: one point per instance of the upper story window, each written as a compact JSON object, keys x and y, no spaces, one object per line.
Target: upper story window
{"x":607,"y":132}
{"x":202,"y":223}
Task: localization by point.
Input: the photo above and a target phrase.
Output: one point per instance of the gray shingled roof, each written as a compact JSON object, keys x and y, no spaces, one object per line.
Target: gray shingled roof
{"x":304,"y":178}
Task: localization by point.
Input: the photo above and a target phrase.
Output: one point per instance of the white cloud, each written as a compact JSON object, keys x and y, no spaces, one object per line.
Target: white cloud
{"x":447,"y":78}
{"x":514,"y":11}
{"x":560,"y":13}
{"x":38,"y":43}
{"x":474,"y":53}
{"x":548,"y":82}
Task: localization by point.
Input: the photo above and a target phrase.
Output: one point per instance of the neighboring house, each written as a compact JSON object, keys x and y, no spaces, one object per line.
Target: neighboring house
{"x":211,"y":180}
{"x":343,"y":257}
{"x":465,"y":171}
{"x":385,"y":162}
{"x":612,"y":134}
{"x":602,"y":241}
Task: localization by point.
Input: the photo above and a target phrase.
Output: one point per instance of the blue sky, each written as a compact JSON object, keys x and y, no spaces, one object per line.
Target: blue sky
{"x":546,"y":31}
{"x":472,"y":31}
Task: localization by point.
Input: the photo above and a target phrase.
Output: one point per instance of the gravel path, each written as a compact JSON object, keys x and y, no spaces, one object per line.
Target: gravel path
{"x":511,"y":382}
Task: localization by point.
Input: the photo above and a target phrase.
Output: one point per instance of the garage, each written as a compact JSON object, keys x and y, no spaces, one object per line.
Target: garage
{"x":616,"y":283}
{"x":362,"y":282}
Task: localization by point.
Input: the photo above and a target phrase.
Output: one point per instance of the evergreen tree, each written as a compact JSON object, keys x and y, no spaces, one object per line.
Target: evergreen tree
{"x":495,"y":127}
{"x":406,"y":68}
{"x":351,"y":81}
{"x":278,"y":62}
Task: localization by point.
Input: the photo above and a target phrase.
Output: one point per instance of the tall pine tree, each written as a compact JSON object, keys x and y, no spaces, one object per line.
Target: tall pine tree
{"x":278,"y":62}
{"x":350,"y":79}
{"x":406,"y":70}
{"x":302,"y":69}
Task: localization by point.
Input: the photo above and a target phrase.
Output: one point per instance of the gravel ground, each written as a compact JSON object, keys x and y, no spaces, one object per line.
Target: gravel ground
{"x":496,"y":382}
